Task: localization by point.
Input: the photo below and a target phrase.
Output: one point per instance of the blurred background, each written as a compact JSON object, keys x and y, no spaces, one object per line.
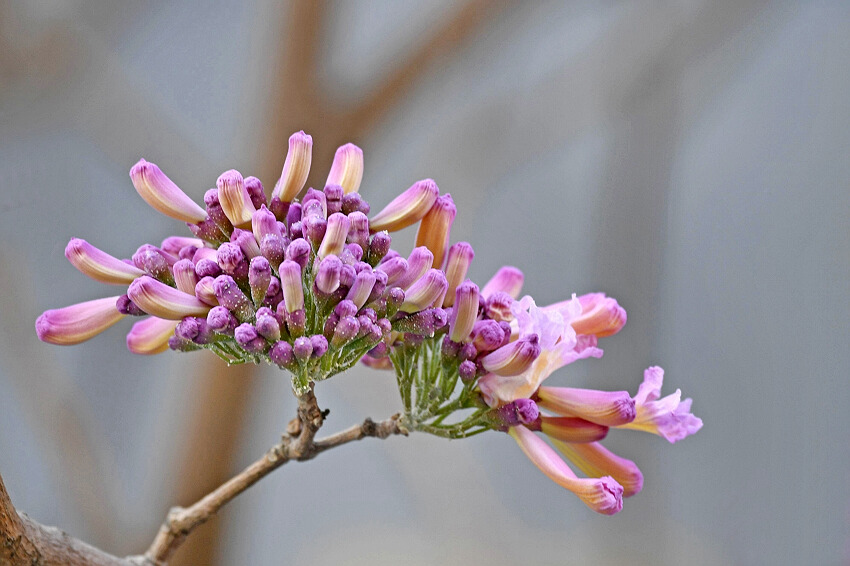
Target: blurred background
{"x":687,"y":157}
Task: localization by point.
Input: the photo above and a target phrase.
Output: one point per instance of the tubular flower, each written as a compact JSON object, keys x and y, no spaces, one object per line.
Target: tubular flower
{"x":296,"y":168}
{"x":435,"y":227}
{"x":99,"y":265}
{"x":668,"y":417}
{"x":407,"y":208}
{"x":347,"y":168}
{"x":77,"y":323}
{"x":163,"y":195}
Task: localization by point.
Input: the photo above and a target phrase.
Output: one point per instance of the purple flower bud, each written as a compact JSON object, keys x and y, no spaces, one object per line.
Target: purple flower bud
{"x":395,"y":298}
{"x":255,"y":191}
{"x":290,"y":283}
{"x":299,"y":252}
{"x":163,"y":195}
{"x":204,"y":253}
{"x":293,"y":215}
{"x":379,"y":287}
{"x":99,"y":265}
{"x":302,"y":348}
{"x":327,"y":276}
{"x":345,"y":330}
{"x":395,"y":268}
{"x":155,"y":263}
{"x":314,"y":203}
{"x":441,"y":317}
{"x":450,"y":349}
{"x":263,"y":222}
{"x":514,"y":358}
{"x":521,"y":411}
{"x":335,"y":235}
{"x":499,"y":306}
{"x":347,"y":276}
{"x":208,"y":230}
{"x":296,"y":230}
{"x":319,"y":344}
{"x":230,"y":257}
{"x":273,"y":249}
{"x":347,"y":168}
{"x":345,"y":308}
{"x":184,"y":276}
{"x":457,"y":264}
{"x":379,"y":351}
{"x":246,"y":242}
{"x":231,"y":297}
{"x":333,"y":196}
{"x":418,"y":263}
{"x":351,"y":254}
{"x":128,"y":307}
{"x":330,"y":325}
{"x":268,"y":325}
{"x":180,"y":345}
{"x":162,"y":301}
{"x":282,"y":354}
{"x":359,"y":230}
{"x":467,"y":370}
{"x":379,"y":247}
{"x":465,"y":312}
{"x":222,"y":321}
{"x":195,"y":330}
{"x":296,"y":322}
{"x":205,"y":291}
{"x":188,"y":252}
{"x":207,"y":268}
{"x":422,"y":323}
{"x":279,"y":208}
{"x":353,"y":202}
{"x":425,"y":291}
{"x":234,"y":198}
{"x":385,"y":325}
{"x":361,"y":288}
{"x":467,"y":352}
{"x":216,"y":213}
{"x":295,"y":168}
{"x":259,"y":277}
{"x":247,"y":337}
{"x":314,"y":228}
{"x":487,"y":335}
{"x":434,"y":229}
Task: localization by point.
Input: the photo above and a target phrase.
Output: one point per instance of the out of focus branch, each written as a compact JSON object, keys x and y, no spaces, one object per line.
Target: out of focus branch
{"x":24,"y":541}
{"x":298,"y":445}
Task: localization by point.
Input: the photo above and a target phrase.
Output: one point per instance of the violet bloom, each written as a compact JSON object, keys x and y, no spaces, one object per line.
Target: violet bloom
{"x":668,"y":417}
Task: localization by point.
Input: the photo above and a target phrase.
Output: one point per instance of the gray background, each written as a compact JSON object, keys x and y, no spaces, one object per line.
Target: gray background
{"x":687,"y":157}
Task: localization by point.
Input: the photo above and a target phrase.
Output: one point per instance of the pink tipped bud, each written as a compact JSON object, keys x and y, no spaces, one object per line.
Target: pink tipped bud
{"x":418,"y":263}
{"x":290,"y":282}
{"x":362,"y":288}
{"x":608,"y":408}
{"x":150,"y":336}
{"x":296,"y":168}
{"x":407,"y":208}
{"x":603,"y":495}
{"x":205,"y":291}
{"x":234,"y":198}
{"x":231,"y":297}
{"x":345,"y":330}
{"x":435,"y":228}
{"x":424,"y":292}
{"x":573,"y":429}
{"x":77,"y":323}
{"x":347,"y":168}
{"x":163,"y":195}
{"x":263,"y":223}
{"x":282,"y":355}
{"x":273,"y":249}
{"x":246,"y":242}
{"x":457,"y":264}
{"x":175,"y":245}
{"x":255,"y":190}
{"x":395,"y":268}
{"x":99,"y":265}
{"x":379,"y":246}
{"x":184,"y":276}
{"x":259,"y":277}
{"x":162,"y":301}
{"x":508,"y":279}
{"x":155,"y":263}
{"x":600,"y":315}
{"x":359,"y":231}
{"x":335,"y":235}
{"x":465,"y":312}
{"x":514,"y":358}
{"x":299,"y":252}
{"x":594,"y":460}
{"x":328,"y":274}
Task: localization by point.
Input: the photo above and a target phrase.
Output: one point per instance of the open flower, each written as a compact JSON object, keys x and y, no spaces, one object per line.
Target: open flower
{"x":668,"y":417}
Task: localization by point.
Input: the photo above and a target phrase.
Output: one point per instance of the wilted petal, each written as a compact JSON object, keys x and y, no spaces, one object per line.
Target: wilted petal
{"x":77,"y":323}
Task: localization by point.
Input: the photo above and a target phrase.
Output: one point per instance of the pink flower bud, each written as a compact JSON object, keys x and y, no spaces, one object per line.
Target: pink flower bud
{"x":335,"y":235}
{"x":508,"y":279}
{"x":465,"y":312}
{"x":514,"y":358}
{"x":290,"y":283}
{"x":150,"y":336}
{"x":424,"y":292}
{"x":600,"y":315}
{"x":99,"y":265}
{"x":77,"y":323}
{"x":435,"y":228}
{"x":347,"y":168}
{"x":457,"y":264}
{"x":234,"y":198}
{"x":296,"y":168}
{"x":407,"y":208}
{"x":594,"y":460}
{"x":608,"y":408}
{"x":163,"y":195}
{"x":162,"y":301}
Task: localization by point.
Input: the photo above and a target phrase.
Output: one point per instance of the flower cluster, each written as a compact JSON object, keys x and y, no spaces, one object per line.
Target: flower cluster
{"x":312,"y":285}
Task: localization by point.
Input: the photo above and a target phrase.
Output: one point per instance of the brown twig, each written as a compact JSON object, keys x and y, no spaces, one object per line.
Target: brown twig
{"x":300,"y":447}
{"x":24,"y":541}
